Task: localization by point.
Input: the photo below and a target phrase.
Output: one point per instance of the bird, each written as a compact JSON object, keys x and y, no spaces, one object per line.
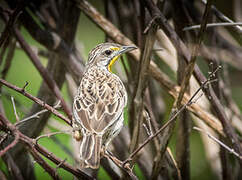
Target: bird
{"x":99,"y":103}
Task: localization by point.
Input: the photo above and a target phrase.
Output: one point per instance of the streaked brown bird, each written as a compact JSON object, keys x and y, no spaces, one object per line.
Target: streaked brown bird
{"x":99,"y":103}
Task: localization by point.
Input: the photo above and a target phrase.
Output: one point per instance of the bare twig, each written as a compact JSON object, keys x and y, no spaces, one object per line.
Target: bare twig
{"x":171,"y":119}
{"x":14,"y":171}
{"x":212,"y":25}
{"x":222,"y":17}
{"x":36,"y":115}
{"x":58,"y":165}
{"x":11,"y":145}
{"x":8,"y":28}
{"x":34,"y":147}
{"x":50,"y":134}
{"x":52,"y":171}
{"x":175,"y":163}
{"x":14,"y":109}
{"x":9,"y":58}
{"x":138,"y":98}
{"x":120,"y":164}
{"x":147,"y":118}
{"x":55,"y":43}
{"x":44,"y":73}
{"x":164,"y":81}
{"x":10,"y":129}
{"x":192,"y":62}
{"x":36,"y":100}
{"x":232,"y":151}
{"x":209,"y":92}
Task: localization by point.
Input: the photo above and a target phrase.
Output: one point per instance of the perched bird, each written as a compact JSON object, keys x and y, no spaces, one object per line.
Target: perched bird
{"x":99,"y":103}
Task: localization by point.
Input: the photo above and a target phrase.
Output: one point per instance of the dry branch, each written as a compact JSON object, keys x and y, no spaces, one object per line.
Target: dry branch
{"x":209,"y":92}
{"x":173,"y":117}
{"x":36,"y":100}
{"x":219,"y":142}
{"x":34,"y":147}
{"x":164,"y":81}
{"x":192,"y":62}
{"x":137,"y":105}
{"x":10,"y":23}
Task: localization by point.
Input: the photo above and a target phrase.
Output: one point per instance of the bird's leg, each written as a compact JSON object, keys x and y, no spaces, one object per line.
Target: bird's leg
{"x":77,"y":132}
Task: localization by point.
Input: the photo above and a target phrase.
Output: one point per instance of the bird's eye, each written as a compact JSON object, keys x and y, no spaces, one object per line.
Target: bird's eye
{"x":108,"y":52}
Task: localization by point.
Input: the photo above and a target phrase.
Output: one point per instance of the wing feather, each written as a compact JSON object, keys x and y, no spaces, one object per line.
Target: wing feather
{"x":100,"y":101}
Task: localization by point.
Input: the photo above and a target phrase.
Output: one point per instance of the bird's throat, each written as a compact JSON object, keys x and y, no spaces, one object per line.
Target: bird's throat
{"x":112,"y":62}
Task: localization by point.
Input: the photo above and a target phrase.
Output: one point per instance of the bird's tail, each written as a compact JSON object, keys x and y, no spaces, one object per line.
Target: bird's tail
{"x":90,"y":151}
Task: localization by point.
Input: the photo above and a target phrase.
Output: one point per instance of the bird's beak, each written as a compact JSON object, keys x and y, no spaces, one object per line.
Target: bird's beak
{"x":125,"y":49}
{"x":119,"y":52}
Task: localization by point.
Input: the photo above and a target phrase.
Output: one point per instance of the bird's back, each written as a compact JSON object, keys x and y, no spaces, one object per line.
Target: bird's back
{"x":100,"y":100}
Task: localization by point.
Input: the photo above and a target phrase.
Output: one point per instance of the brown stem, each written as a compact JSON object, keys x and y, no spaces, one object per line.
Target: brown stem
{"x":44,"y":73}
{"x":33,"y":147}
{"x":171,"y":119}
{"x":36,"y":100}
{"x":209,"y":92}
{"x":9,"y":25}
{"x":192,"y":62}
{"x":138,"y":100}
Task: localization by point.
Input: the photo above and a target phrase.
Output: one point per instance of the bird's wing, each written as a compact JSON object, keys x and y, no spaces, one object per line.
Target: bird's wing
{"x":99,"y":103}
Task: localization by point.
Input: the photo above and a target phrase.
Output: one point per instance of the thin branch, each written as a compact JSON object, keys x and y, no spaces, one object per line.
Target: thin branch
{"x":13,"y":17}
{"x":14,"y":109}
{"x":9,"y":58}
{"x":36,"y":115}
{"x":147,"y":118}
{"x":32,"y":145}
{"x":209,"y":92}
{"x":171,"y":119}
{"x":175,"y":163}
{"x":50,"y":134}
{"x":57,"y":161}
{"x":10,"y":129}
{"x":43,"y":72}
{"x":120,"y":164}
{"x":137,"y":104}
{"x":51,"y":171}
{"x":11,"y":145}
{"x":190,"y":67}
{"x":222,"y":17}
{"x":58,"y":165}
{"x":55,"y":43}
{"x":212,"y":25}
{"x":232,"y":151}
{"x":163,"y":79}
{"x":13,"y":169}
{"x":36,"y":100}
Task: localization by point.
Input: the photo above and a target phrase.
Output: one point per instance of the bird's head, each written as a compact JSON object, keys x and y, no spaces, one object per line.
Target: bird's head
{"x":104,"y":55}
